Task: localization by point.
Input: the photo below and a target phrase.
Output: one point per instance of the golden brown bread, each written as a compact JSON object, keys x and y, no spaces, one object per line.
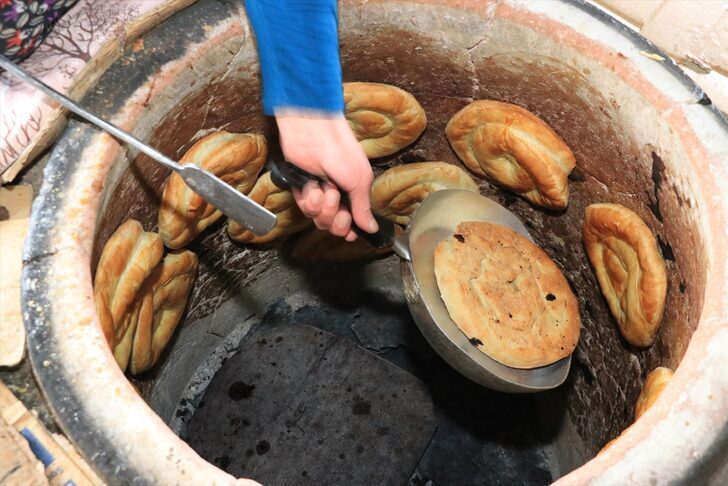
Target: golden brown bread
{"x":398,"y":191}
{"x":128,"y":257}
{"x":515,"y":149}
{"x":629,"y":267}
{"x":655,"y":382}
{"x":290,"y":219}
{"x":122,"y":350}
{"x":384,"y":118}
{"x":234,"y":158}
{"x":507,"y":295}
{"x":162,"y":299}
{"x":321,"y":246}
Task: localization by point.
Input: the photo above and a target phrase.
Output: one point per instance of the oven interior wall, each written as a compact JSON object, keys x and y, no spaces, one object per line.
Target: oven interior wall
{"x":447,"y":57}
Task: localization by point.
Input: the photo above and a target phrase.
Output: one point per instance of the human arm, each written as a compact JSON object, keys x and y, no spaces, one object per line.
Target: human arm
{"x":302,"y":87}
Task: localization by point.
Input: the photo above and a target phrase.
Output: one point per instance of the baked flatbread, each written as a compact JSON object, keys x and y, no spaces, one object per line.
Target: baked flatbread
{"x":655,"y":382}
{"x":630,"y":269}
{"x":507,"y":295}
{"x":128,"y":258}
{"x":162,"y":302}
{"x":235,"y":158}
{"x":290,"y":219}
{"x":516,"y":149}
{"x":400,"y":190}
{"x":384,"y":118}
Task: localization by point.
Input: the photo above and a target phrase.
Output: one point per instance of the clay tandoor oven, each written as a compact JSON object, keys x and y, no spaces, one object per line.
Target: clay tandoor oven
{"x":643,"y":135}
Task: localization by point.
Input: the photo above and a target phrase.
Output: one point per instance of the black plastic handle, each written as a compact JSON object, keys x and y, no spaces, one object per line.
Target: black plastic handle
{"x":286,"y":176}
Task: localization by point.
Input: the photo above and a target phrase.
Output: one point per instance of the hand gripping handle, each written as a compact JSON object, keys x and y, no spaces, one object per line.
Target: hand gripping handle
{"x":286,"y":176}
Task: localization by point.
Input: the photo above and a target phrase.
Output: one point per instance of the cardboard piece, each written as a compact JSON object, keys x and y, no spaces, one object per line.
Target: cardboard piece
{"x":18,"y":465}
{"x":15,"y":202}
{"x":60,"y":466}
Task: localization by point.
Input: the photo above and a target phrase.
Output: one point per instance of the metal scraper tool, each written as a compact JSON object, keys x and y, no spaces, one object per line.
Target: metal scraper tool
{"x":223,"y":196}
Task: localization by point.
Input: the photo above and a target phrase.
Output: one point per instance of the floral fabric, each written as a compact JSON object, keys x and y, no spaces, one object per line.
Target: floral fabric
{"x":25,"y":23}
{"x":70,"y":40}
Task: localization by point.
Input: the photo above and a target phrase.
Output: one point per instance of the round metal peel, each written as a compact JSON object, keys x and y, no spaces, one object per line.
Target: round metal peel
{"x":434,"y":220}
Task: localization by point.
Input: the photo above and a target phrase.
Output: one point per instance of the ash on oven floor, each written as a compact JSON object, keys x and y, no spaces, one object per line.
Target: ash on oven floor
{"x":299,"y":405}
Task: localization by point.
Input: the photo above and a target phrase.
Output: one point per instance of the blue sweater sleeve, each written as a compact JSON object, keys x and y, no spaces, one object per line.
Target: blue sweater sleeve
{"x":298,"y":50}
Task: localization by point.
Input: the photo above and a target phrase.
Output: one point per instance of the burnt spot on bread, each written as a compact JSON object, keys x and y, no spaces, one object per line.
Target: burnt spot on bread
{"x":476,"y":342}
{"x":4,"y":213}
{"x":460,"y":238}
{"x":550,"y":297}
{"x":682,"y":287}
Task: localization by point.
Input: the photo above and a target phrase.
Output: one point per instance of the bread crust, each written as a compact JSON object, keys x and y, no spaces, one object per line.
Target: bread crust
{"x":655,"y":383}
{"x":630,"y":269}
{"x":507,"y":295}
{"x":162,"y":301}
{"x":128,"y":258}
{"x":516,"y":149}
{"x":235,"y":158}
{"x":384,"y":118}
{"x":400,"y":190}
{"x":290,"y":219}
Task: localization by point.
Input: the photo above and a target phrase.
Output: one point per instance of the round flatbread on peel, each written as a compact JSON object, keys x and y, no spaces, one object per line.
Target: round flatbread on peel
{"x":507,"y":296}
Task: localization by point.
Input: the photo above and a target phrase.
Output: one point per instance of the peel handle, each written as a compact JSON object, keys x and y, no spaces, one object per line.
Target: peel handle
{"x":286,"y":176}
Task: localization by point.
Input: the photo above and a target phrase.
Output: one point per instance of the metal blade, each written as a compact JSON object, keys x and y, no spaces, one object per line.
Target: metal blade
{"x":217,"y":192}
{"x":234,"y":204}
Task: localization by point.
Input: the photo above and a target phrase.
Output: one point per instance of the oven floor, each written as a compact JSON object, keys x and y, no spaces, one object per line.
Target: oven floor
{"x":299,"y":405}
{"x":252,"y":417}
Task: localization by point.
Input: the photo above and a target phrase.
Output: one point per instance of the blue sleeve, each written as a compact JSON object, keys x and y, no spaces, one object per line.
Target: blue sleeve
{"x":298,"y":49}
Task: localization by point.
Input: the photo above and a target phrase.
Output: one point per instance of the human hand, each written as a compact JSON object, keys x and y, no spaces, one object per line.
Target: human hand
{"x":326,"y":146}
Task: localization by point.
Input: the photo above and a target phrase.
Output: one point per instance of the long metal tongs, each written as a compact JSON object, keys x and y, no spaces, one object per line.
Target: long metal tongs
{"x":217,"y":192}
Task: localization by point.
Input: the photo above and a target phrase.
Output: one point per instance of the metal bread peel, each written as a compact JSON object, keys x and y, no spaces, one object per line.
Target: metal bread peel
{"x":433,"y":221}
{"x":217,"y":192}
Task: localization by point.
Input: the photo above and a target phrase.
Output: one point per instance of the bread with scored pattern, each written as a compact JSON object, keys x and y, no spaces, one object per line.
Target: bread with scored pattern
{"x":235,"y":158}
{"x":384,"y":118}
{"x":514,"y":148}
{"x":506,"y":295}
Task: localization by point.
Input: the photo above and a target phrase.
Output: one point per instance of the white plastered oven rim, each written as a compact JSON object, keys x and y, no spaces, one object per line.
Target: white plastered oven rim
{"x":58,"y":302}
